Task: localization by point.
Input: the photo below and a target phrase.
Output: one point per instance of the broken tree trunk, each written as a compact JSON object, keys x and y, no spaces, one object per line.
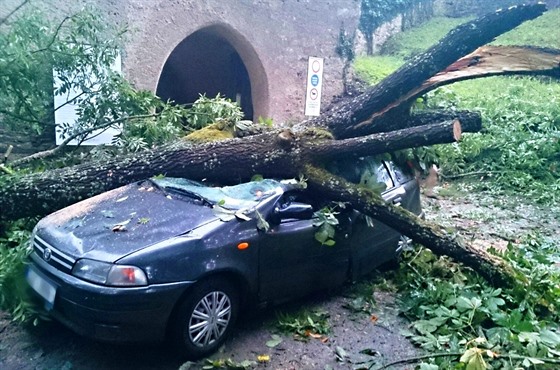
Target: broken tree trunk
{"x":489,"y":61}
{"x":362,"y":114}
{"x":271,"y":154}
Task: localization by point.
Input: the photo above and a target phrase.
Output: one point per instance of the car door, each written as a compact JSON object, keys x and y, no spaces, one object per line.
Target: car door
{"x":291,"y":262}
{"x":373,"y":242}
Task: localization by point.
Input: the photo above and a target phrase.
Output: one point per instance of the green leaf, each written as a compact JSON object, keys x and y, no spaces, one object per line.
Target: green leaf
{"x":276,"y":340}
{"x":550,"y":338}
{"x":329,"y":243}
{"x":186,"y":366}
{"x":468,"y":304}
{"x":425,"y":326}
{"x":529,"y":337}
{"x":321,"y":236}
{"x":340,"y":353}
{"x":473,"y":358}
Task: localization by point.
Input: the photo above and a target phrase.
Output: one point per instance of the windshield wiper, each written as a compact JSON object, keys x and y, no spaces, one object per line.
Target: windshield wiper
{"x":190,"y":194}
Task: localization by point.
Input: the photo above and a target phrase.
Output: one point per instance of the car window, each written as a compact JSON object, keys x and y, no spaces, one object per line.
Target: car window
{"x":366,"y":171}
{"x":246,"y":195}
{"x":402,"y":174}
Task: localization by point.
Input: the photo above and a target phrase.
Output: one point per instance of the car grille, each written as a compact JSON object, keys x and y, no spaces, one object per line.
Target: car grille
{"x":52,"y":256}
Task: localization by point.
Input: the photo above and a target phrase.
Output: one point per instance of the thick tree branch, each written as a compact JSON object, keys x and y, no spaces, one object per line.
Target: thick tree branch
{"x":488,"y":61}
{"x":367,"y":108}
{"x":434,"y":237}
{"x":16,"y":9}
{"x":437,"y":133}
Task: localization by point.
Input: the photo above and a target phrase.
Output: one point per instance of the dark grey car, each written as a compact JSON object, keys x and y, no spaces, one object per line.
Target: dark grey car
{"x":172,"y":257}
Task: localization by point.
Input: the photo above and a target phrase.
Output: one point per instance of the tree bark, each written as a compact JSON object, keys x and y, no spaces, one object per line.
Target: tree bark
{"x":489,"y":61}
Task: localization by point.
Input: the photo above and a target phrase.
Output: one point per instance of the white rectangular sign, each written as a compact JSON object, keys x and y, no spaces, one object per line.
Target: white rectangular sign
{"x":314,"y":85}
{"x":66,"y":113}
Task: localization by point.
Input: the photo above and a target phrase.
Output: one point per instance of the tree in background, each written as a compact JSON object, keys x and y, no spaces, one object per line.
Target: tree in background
{"x":79,"y":49}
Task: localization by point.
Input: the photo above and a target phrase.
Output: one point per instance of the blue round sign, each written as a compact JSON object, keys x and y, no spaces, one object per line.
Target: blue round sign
{"x":314,"y":80}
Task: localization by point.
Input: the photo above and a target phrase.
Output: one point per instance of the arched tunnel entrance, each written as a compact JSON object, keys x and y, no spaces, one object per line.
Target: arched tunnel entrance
{"x":212,"y":60}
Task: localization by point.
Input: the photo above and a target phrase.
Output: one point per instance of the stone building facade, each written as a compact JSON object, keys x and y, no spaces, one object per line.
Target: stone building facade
{"x":253,"y":51}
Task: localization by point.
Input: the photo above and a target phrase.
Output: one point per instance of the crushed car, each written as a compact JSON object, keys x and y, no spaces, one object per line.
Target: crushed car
{"x":174,"y":258}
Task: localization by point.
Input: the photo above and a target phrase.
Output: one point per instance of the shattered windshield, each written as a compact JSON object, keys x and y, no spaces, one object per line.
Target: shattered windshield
{"x":246,"y":195}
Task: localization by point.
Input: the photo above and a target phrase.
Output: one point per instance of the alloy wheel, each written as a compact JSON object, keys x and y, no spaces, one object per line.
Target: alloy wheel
{"x":210,"y":318}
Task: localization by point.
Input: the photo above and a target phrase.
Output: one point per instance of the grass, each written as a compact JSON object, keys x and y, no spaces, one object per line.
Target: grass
{"x":414,"y":41}
{"x":542,"y":32}
{"x":519,"y":145}
{"x":374,"y":69}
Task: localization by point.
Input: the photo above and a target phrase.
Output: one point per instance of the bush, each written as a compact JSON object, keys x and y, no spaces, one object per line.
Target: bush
{"x":13,"y":289}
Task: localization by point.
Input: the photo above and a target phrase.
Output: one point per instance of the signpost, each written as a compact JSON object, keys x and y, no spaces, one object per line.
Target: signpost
{"x":314,"y":86}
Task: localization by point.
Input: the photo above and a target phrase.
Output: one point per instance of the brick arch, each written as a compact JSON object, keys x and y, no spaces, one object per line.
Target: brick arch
{"x":216,"y":59}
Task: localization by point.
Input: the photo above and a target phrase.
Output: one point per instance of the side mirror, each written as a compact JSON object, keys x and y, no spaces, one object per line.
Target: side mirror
{"x":297,"y":210}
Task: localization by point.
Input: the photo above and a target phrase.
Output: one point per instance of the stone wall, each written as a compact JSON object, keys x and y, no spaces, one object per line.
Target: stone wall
{"x":415,"y":16}
{"x":273,"y":37}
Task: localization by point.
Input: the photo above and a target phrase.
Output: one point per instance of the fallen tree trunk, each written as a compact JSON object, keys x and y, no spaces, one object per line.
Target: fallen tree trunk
{"x":434,"y":237}
{"x":489,"y":61}
{"x":273,"y":154}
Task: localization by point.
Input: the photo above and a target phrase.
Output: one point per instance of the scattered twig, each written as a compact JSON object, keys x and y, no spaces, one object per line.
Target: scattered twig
{"x":7,"y":154}
{"x":476,"y":173}
{"x":417,"y":358}
{"x":457,"y":354}
{"x":54,"y":37}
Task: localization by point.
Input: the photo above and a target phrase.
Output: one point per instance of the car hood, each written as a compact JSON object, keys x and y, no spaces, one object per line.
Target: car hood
{"x":114,"y":224}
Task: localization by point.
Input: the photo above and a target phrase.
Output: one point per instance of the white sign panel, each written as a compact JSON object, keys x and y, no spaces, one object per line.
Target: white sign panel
{"x":314,"y":85}
{"x":66,"y":113}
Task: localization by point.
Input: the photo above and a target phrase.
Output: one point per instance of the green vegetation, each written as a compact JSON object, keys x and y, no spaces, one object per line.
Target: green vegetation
{"x":519,"y":145}
{"x":206,"y":110}
{"x":457,"y":316}
{"x":542,"y":32}
{"x":374,"y":69}
{"x":455,"y":311}
{"x":13,"y":289}
{"x":407,"y":44}
{"x":518,"y":150}
{"x":304,"y":324}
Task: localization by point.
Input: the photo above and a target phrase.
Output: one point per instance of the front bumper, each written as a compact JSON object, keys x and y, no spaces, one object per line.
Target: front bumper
{"x":113,"y":314}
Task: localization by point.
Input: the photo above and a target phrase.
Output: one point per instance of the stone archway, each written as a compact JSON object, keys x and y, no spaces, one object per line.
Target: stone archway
{"x":216,"y":59}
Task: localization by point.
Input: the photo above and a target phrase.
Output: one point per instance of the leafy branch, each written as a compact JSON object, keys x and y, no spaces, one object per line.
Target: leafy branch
{"x":52,"y":152}
{"x":415,"y":359}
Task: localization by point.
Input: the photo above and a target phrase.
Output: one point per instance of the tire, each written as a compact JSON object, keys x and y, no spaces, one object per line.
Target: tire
{"x":204,"y":318}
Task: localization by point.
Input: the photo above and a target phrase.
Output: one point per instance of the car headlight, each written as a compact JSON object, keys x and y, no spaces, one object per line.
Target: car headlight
{"x":109,"y":274}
